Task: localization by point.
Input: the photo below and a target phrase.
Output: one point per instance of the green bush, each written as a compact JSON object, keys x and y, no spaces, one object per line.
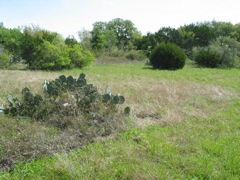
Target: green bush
{"x":207,"y":58}
{"x":167,"y":56}
{"x":224,"y":52}
{"x":52,"y":57}
{"x":4,"y":60}
{"x":79,"y":57}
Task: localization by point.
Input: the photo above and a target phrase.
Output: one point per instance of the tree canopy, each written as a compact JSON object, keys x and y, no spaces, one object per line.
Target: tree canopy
{"x":117,"y":33}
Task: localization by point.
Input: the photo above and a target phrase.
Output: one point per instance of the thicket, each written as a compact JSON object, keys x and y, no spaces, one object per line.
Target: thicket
{"x":168,"y":56}
{"x":224,"y":52}
{"x":223,"y":38}
{"x":42,"y":49}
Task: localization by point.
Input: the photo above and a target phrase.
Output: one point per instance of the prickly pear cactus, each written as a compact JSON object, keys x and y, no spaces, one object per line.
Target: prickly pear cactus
{"x":65,"y":94}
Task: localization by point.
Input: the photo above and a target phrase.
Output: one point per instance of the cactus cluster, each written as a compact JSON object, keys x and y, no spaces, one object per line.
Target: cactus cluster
{"x":65,"y":92}
{"x":63,"y":84}
{"x":29,"y":105}
{"x":80,"y":88}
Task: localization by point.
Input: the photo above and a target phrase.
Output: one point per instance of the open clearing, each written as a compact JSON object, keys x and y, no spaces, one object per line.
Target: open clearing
{"x":187,"y":125}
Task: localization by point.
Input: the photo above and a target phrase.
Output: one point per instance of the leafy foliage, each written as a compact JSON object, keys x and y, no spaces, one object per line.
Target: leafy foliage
{"x":4,"y":60}
{"x":190,"y":36}
{"x":224,"y":52}
{"x":207,"y":58}
{"x":79,"y":57}
{"x":49,"y":51}
{"x":50,"y":56}
{"x":10,"y":39}
{"x":118,"y":33}
{"x":168,"y":56}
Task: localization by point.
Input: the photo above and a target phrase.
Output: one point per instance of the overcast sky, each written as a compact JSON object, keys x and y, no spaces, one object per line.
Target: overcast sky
{"x":69,"y":16}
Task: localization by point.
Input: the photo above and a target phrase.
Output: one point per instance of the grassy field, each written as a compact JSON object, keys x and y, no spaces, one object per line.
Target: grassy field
{"x":186,"y":126}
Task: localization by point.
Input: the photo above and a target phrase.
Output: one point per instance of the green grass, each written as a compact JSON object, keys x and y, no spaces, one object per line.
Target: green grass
{"x":202,"y":142}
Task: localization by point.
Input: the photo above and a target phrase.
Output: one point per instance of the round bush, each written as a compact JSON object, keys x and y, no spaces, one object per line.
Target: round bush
{"x":207,"y":58}
{"x":167,"y":56}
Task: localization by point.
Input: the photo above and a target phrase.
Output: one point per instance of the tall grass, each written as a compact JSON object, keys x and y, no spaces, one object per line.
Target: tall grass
{"x":187,"y":126}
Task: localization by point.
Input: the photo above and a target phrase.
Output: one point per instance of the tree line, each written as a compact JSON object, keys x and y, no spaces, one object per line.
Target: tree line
{"x":41,"y":49}
{"x":221,"y":38}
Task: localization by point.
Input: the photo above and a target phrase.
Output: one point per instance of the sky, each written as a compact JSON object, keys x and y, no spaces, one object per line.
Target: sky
{"x":67,"y":17}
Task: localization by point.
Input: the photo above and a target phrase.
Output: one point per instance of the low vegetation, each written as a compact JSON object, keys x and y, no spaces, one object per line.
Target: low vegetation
{"x":186,"y":127}
{"x":71,"y":111}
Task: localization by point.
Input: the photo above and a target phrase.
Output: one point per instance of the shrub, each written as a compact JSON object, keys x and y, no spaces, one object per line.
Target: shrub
{"x":224,"y":52}
{"x":4,"y":60}
{"x":167,"y":56}
{"x":51,"y":57}
{"x":79,"y":57}
{"x":207,"y":58}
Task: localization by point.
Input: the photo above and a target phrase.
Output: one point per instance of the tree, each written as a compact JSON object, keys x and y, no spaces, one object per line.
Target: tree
{"x":124,"y":30}
{"x":30,"y":44}
{"x":10,"y":40}
{"x":116,"y":33}
{"x":71,"y":41}
{"x":110,"y":40}
{"x":146,"y":43}
{"x":187,"y":40}
{"x":203,"y":33}
{"x":223,"y":28}
{"x":85,"y":39}
{"x":97,"y":40}
{"x":168,"y":34}
{"x":237,"y":32}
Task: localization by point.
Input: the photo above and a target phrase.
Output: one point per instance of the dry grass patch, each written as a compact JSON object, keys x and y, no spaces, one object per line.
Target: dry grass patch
{"x":12,"y":82}
{"x":173,"y":101}
{"x":151,"y":101}
{"x":165,"y":101}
